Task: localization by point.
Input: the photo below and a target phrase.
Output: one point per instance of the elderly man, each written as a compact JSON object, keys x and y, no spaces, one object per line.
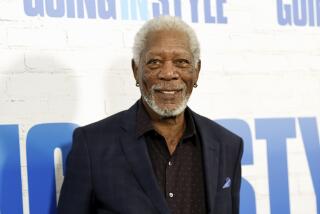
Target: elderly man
{"x":158,"y":156}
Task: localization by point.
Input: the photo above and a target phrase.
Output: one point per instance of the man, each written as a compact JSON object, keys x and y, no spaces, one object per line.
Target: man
{"x":158,"y":156}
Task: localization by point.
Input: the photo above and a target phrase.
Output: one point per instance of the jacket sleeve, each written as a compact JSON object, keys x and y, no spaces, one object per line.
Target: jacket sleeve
{"x":76,"y":192}
{"x":237,"y":181}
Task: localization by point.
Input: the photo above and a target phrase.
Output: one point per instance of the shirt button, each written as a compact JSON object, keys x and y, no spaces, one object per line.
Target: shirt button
{"x":170,"y":194}
{"x":170,"y":163}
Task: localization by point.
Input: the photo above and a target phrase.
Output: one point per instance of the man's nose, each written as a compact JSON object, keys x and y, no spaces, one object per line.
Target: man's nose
{"x":168,"y":71}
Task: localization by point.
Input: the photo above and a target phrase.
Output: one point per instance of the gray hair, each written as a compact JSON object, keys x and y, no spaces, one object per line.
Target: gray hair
{"x":165,"y":23}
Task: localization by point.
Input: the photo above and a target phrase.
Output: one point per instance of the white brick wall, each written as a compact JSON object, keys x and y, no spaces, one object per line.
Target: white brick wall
{"x":78,"y":70}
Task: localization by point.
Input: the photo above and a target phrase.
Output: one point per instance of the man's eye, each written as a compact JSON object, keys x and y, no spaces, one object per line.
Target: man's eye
{"x":182,"y":62}
{"x":153,"y":62}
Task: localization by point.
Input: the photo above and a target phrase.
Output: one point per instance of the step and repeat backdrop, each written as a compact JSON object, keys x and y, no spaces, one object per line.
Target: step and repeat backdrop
{"x":66,"y":63}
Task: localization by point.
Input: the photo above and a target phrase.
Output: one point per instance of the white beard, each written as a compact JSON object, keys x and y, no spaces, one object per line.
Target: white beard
{"x":164,"y":112}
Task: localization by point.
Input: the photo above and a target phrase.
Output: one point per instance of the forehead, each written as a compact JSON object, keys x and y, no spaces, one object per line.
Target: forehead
{"x":167,"y":41}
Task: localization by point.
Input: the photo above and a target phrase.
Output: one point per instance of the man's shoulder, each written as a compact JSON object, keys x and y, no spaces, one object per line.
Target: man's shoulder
{"x":111,"y":121}
{"x":215,"y":128}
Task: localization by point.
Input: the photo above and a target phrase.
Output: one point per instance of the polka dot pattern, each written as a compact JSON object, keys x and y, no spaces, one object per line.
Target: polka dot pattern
{"x":180,"y":175}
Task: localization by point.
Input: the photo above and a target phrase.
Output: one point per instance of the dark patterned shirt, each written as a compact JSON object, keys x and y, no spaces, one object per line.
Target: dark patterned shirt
{"x":180,"y":175}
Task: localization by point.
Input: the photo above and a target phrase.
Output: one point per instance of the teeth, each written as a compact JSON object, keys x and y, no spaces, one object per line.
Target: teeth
{"x":168,"y":92}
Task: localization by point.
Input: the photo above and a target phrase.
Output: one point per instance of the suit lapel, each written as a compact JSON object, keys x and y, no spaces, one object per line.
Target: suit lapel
{"x":210,"y":148}
{"x":137,"y":155}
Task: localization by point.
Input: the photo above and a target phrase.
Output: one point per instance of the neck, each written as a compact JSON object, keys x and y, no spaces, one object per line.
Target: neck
{"x":171,"y":128}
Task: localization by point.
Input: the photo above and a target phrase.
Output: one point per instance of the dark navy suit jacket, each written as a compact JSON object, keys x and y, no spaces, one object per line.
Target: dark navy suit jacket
{"x":109,"y":169}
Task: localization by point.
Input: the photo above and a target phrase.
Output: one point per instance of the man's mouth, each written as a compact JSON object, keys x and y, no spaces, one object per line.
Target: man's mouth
{"x":168,"y":91}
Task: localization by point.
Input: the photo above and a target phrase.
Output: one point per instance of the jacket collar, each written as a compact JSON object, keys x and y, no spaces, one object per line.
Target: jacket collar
{"x":138,"y":157}
{"x":210,"y":149}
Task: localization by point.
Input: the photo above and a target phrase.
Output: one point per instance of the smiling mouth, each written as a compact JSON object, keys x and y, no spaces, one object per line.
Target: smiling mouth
{"x":168,"y":92}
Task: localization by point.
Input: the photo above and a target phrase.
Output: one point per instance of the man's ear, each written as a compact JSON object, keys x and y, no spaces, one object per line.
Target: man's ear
{"x":197,"y":71}
{"x":199,"y":66}
{"x":134,"y":67}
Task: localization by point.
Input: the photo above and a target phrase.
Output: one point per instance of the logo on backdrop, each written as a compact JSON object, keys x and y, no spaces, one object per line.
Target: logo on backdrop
{"x":289,"y":12}
{"x":213,"y":10}
{"x":299,"y":12}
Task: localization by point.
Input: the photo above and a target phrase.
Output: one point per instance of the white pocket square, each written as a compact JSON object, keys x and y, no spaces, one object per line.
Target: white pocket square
{"x":227,"y":183}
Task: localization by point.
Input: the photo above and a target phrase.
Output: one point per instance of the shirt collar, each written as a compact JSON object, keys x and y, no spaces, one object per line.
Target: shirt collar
{"x":144,"y":123}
